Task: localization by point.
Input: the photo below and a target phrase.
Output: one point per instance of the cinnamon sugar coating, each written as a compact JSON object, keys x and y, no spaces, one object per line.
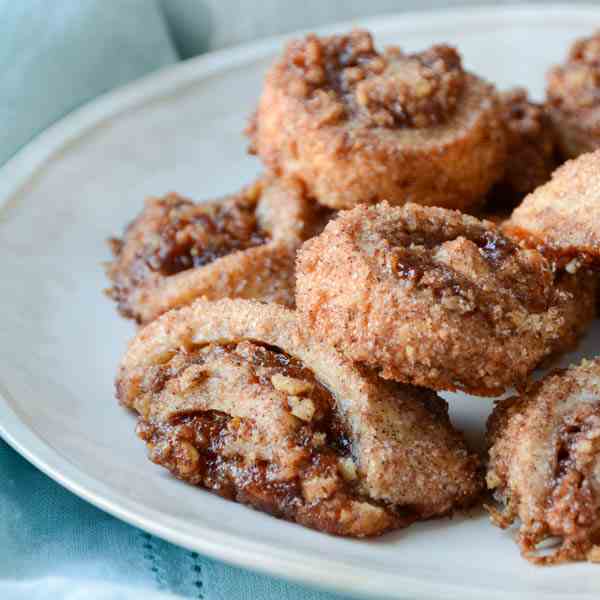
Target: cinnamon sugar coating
{"x":358,"y":126}
{"x":242,"y":246}
{"x":562,"y":218}
{"x":436,"y":298}
{"x":544,"y":464}
{"x":233,"y":398}
{"x":573,"y":97}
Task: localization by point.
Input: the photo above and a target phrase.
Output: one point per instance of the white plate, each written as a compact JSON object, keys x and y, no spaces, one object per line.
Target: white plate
{"x":180,"y":129}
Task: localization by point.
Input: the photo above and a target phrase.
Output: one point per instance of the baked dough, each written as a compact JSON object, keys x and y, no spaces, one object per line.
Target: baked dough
{"x":233,"y":398}
{"x":544,"y":465}
{"x":243,"y":246}
{"x":360,"y":126}
{"x":573,"y":98}
{"x":562,"y":218}
{"x":436,"y":298}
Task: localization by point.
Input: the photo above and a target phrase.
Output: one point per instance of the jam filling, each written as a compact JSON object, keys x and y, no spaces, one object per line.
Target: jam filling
{"x":320,"y":487}
{"x":494,"y":247}
{"x":191,"y":444}
{"x":270,"y":360}
{"x":411,"y":259}
{"x":571,"y":510}
{"x":194,"y":235}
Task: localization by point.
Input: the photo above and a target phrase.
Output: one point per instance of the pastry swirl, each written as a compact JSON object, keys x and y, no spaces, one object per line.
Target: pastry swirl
{"x":436,"y":298}
{"x":359,"y":126}
{"x":232,"y":398}
{"x":242,"y":246}
{"x":544,"y":465}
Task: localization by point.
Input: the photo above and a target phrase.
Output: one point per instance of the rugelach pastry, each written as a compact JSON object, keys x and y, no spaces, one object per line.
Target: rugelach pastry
{"x":234,"y":396}
{"x":544,"y":466}
{"x":242,"y":246}
{"x":573,"y":98}
{"x":359,"y":126}
{"x":437,"y":298}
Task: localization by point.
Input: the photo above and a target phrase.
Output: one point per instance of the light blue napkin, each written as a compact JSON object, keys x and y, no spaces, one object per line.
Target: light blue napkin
{"x":55,"y":546}
{"x":55,"y":55}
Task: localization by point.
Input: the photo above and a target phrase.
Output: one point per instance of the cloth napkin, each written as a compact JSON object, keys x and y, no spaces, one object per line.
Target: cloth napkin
{"x":54,"y":56}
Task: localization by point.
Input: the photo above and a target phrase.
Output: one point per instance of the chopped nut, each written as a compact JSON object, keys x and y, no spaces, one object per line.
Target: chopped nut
{"x":187,"y":458}
{"x":303,"y":408}
{"x":144,"y":430}
{"x":319,"y":439}
{"x":361,"y":514}
{"x":143,"y":404}
{"x":347,"y":469}
{"x":572,"y":266}
{"x":518,"y":317}
{"x":191,"y":377}
{"x":290,"y":385}
{"x":164,"y":357}
{"x":492,"y":480}
{"x":234,"y":424}
{"x":345,"y":515}
{"x":153,"y":380}
{"x":319,"y":488}
{"x":362,"y":96}
{"x":422,"y":88}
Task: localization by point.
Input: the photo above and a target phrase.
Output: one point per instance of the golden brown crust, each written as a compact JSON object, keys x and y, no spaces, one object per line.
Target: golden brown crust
{"x":532,"y":153}
{"x":232,"y":397}
{"x":573,"y":98}
{"x":242,"y":246}
{"x":544,"y":464}
{"x":435,"y":298}
{"x":359,"y":126}
{"x":562,"y":218}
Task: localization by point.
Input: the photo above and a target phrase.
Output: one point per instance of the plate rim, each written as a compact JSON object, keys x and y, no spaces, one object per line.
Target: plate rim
{"x":26,"y":164}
